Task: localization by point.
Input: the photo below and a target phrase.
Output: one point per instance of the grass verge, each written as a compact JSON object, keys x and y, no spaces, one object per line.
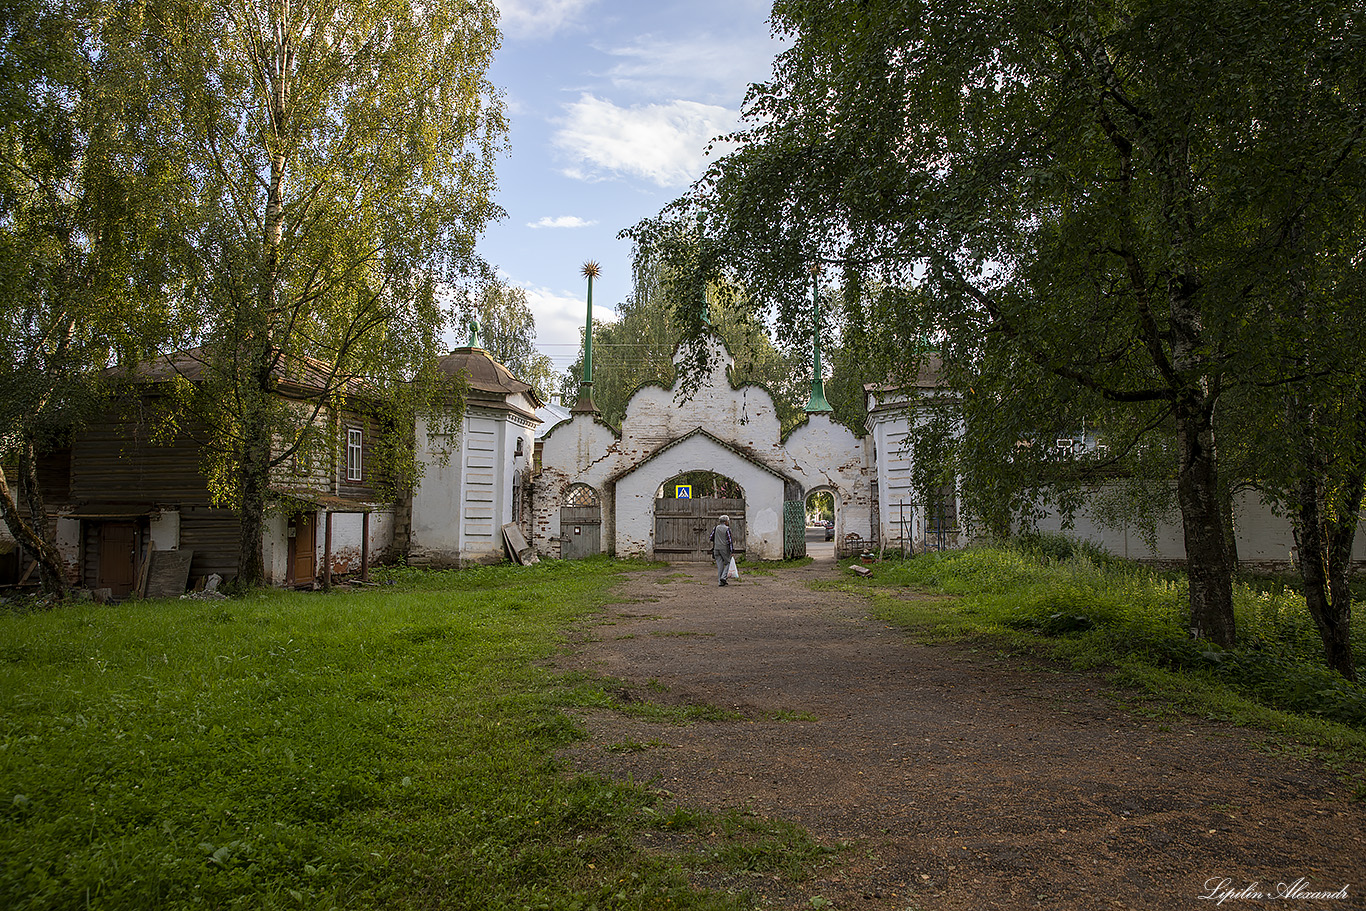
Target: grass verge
{"x":391,"y":748}
{"x":1096,"y":613}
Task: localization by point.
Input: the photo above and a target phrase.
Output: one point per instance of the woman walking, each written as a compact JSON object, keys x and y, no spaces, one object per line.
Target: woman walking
{"x":722,"y":546}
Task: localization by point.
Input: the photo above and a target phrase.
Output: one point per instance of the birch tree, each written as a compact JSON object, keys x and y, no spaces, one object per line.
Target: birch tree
{"x":1101,"y":196}
{"x":342,"y":153}
{"x":92,"y":209}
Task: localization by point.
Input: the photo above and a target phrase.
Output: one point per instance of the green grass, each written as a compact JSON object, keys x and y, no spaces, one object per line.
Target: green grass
{"x":391,"y":748}
{"x":1097,"y":613}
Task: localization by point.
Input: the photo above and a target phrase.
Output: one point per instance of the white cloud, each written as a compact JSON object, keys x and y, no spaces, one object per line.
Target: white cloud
{"x":662,"y":143}
{"x":564,"y":221}
{"x":704,"y":66}
{"x":559,"y":321}
{"x":538,"y":18}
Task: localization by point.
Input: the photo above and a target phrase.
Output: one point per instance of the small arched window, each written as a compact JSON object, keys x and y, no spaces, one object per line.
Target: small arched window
{"x":580,"y":495}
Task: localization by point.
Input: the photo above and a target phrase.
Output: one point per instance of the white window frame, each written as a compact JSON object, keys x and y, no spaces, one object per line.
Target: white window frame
{"x":354,"y":448}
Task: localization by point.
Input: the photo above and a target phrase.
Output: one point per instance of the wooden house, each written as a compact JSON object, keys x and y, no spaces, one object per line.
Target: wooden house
{"x":124,"y":501}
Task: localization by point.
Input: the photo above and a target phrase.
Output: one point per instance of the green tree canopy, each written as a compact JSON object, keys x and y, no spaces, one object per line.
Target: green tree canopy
{"x":91,"y":215}
{"x":639,"y":347}
{"x":507,"y":330}
{"x":342,"y":159}
{"x":1102,"y":202}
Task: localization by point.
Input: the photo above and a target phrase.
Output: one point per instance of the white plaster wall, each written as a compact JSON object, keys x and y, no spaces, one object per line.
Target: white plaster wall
{"x":275,"y":547}
{"x":434,"y":530}
{"x":578,"y":451}
{"x":822,"y":454}
{"x":460,"y":507}
{"x":164,"y":529}
{"x":1125,"y":541}
{"x":347,"y":528}
{"x":892,"y":430}
{"x":68,"y":541}
{"x":1263,"y":536}
{"x":1266,"y":537}
{"x":635,"y":497}
{"x":347,"y":535}
{"x":818,"y":454}
{"x":744,"y":417}
{"x":481,"y":505}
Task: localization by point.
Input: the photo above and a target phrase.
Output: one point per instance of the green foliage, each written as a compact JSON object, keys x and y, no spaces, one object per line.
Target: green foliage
{"x":340,"y":158}
{"x":820,"y":506}
{"x":704,"y":484}
{"x":91,"y":223}
{"x":507,"y":331}
{"x":1095,"y":610}
{"x":638,"y":348}
{"x":1129,"y":214}
{"x":392,"y":748}
{"x":1058,"y":547}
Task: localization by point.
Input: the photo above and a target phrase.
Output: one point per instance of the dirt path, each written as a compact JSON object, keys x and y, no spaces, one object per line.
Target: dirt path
{"x":957,"y":780}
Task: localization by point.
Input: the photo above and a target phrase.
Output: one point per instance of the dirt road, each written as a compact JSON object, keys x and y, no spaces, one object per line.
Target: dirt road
{"x":954,"y":780}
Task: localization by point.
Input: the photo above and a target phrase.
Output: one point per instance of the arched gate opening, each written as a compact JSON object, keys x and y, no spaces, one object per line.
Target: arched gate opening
{"x":688,"y":506}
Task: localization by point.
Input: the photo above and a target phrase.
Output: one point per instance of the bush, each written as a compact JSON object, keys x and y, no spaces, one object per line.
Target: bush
{"x":1060,"y":548}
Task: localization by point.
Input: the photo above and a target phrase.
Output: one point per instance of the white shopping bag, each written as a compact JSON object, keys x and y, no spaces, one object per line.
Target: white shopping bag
{"x":731,"y":571}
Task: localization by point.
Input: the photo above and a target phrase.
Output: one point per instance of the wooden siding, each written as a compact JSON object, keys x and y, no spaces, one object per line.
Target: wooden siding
{"x":54,"y":476}
{"x":115,"y":461}
{"x":214,"y":536}
{"x":683,"y":527}
{"x":372,"y":473}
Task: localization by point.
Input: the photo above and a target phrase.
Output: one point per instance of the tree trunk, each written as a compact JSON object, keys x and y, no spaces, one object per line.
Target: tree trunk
{"x":33,"y":535}
{"x":255,"y":481}
{"x":1325,"y":549}
{"x":255,"y":382}
{"x":254,"y":467}
{"x":1202,"y":519}
{"x":1228,"y":501}
{"x":1324,"y":533}
{"x":1338,"y":645}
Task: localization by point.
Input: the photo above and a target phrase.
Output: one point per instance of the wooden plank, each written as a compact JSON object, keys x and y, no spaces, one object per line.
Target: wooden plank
{"x":168,"y":572}
{"x":144,"y":571}
{"x":517,"y":546}
{"x":683,"y":527}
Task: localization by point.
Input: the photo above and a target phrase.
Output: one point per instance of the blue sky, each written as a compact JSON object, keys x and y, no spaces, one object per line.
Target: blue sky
{"x":612,"y":104}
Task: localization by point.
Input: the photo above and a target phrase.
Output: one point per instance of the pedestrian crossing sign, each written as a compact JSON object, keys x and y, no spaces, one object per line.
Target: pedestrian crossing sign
{"x":684,"y":491}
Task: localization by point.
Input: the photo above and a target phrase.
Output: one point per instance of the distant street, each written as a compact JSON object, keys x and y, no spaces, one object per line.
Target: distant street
{"x":817,"y":547}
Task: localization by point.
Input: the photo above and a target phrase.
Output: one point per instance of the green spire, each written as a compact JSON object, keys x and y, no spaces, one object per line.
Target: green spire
{"x":474,"y":335}
{"x":585,"y":404}
{"x":818,"y":404}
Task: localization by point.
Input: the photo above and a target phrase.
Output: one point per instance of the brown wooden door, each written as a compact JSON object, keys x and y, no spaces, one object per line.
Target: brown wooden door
{"x":118,"y":558}
{"x":303,"y":545}
{"x":683,"y":527}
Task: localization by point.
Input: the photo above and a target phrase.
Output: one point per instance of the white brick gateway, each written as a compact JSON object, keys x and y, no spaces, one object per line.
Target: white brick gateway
{"x":727,"y":427}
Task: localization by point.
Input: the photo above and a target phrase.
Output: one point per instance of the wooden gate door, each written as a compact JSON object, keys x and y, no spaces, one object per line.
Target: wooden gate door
{"x":682,"y":526}
{"x":118,"y":557}
{"x":580,"y":531}
{"x":303,"y":547}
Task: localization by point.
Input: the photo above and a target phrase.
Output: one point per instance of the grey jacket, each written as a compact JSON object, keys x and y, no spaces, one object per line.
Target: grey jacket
{"x":722,"y":544}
